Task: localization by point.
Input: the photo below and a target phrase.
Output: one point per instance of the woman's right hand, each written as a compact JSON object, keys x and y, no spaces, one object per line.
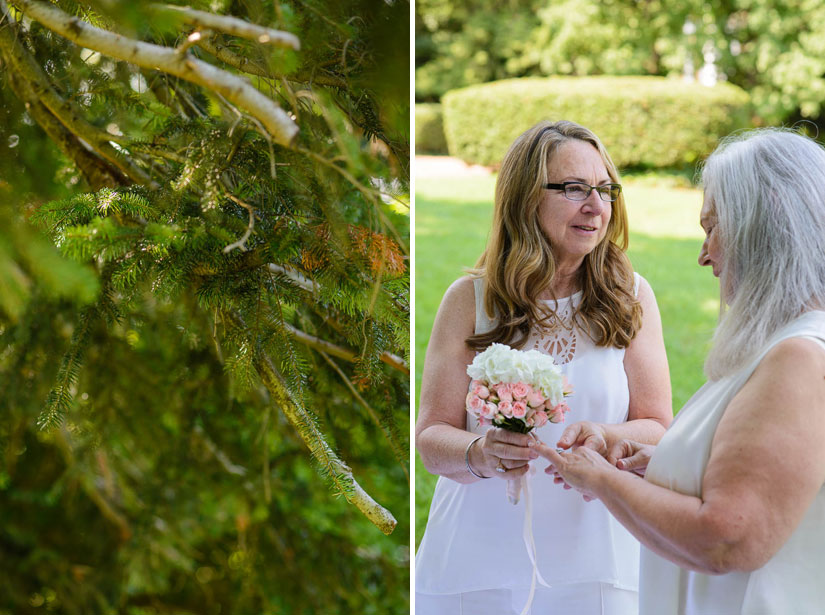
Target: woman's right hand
{"x":631,"y":455}
{"x":500,"y":448}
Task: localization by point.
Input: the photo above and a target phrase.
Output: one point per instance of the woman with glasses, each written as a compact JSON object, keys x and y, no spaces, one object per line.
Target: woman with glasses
{"x":731,"y":510}
{"x":553,"y":277}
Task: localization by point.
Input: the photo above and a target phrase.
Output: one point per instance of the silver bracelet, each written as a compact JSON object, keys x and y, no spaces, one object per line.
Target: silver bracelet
{"x":467,"y":459}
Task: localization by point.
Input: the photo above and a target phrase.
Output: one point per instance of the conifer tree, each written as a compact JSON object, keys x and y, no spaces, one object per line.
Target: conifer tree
{"x":204,"y":308}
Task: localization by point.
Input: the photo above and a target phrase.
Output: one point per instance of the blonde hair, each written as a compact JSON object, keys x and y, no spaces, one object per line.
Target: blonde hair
{"x":518,"y":263}
{"x":767,"y":188}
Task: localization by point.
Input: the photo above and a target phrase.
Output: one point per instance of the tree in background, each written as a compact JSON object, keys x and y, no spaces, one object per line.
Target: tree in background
{"x":774,"y":49}
{"x":204,"y":307}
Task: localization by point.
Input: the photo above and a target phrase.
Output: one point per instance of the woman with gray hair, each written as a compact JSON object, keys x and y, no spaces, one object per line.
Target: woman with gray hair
{"x":731,"y":510}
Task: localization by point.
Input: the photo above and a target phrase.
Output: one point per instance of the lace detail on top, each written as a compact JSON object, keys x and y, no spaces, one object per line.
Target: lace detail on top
{"x":558,"y":337}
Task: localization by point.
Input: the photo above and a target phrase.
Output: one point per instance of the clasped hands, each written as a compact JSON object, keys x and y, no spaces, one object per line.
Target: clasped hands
{"x":587,"y":455}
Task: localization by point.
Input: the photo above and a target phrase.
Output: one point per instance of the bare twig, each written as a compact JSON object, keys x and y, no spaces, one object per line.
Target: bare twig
{"x":148,"y":55}
{"x":61,"y":439}
{"x":222,"y":457}
{"x":343,"y":353}
{"x":294,"y":275}
{"x":241,"y":243}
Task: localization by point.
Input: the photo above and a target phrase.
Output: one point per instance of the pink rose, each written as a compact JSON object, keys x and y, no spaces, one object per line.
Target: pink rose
{"x":535,"y":399}
{"x":505,"y":408}
{"x":504,"y":392}
{"x":483,"y":422}
{"x":567,"y":388}
{"x":540,"y":418}
{"x":489,"y":410}
{"x":519,"y":409}
{"x":481,"y":391}
{"x":520,"y":390}
{"x":557,"y":413}
{"x":474,"y":403}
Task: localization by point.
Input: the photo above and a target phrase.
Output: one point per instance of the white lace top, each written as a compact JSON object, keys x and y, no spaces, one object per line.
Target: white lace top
{"x":793,"y":580}
{"x":473,"y":539}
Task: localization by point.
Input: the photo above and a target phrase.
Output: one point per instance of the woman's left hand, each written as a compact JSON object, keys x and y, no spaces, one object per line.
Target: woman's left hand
{"x":579,"y":469}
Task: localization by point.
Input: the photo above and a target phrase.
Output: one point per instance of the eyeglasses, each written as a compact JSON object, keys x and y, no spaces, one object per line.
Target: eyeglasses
{"x":579,"y":191}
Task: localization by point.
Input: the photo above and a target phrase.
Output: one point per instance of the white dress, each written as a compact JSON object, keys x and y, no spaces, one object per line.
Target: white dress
{"x":793,"y":580}
{"x":473,"y":542}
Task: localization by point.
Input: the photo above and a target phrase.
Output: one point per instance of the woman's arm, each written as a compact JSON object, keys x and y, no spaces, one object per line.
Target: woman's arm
{"x":441,"y":437}
{"x":650,"y":410}
{"x":767,"y":464}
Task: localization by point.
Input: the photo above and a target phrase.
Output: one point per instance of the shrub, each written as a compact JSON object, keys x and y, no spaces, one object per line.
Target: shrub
{"x":643,"y":121}
{"x":429,"y":129}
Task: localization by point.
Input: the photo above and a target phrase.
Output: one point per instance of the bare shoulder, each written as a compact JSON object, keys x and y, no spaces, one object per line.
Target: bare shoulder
{"x":462,"y":291}
{"x":457,"y":309}
{"x":796,"y":352}
{"x":645,"y":294}
{"x":793,"y":361}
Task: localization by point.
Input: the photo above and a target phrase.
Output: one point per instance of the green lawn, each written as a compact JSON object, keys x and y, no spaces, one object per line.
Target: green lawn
{"x":452,"y":219}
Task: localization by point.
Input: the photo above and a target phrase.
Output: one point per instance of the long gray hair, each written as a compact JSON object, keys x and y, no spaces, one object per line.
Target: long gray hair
{"x":767,"y":188}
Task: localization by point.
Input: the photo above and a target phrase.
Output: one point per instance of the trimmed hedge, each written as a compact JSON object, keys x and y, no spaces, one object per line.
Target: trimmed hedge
{"x":429,"y":129}
{"x":643,"y":121}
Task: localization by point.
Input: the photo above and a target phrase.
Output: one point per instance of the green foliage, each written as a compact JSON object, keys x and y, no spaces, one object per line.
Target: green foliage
{"x":429,"y":129}
{"x":147,"y":461}
{"x":643,"y":121}
{"x":771,"y":48}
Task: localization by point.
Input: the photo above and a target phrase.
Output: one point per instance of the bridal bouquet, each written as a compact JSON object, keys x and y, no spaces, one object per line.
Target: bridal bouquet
{"x":516,"y":390}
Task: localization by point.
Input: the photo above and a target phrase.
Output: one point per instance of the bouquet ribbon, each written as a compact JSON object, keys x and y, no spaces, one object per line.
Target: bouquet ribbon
{"x":530,"y":543}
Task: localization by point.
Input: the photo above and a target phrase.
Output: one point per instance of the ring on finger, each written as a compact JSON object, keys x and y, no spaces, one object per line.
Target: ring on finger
{"x":500,"y":467}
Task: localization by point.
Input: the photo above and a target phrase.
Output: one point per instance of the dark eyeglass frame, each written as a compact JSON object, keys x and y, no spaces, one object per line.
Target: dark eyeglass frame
{"x":603,"y":190}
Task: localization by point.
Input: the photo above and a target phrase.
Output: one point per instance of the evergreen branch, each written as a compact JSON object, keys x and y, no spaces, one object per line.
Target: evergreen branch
{"x":222,"y":52}
{"x":372,"y":195}
{"x":148,"y":55}
{"x":61,"y":396}
{"x":395,"y":445}
{"x":338,"y":472}
{"x":323,"y":346}
{"x":71,"y":117}
{"x":230,"y":25}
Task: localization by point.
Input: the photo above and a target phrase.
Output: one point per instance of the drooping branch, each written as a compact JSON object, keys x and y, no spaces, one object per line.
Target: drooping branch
{"x":230,"y":25}
{"x":338,"y":472}
{"x":148,"y":55}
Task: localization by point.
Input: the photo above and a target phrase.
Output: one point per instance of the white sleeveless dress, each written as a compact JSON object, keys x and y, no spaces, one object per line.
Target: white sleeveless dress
{"x":473,"y":560}
{"x":793,"y":580}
